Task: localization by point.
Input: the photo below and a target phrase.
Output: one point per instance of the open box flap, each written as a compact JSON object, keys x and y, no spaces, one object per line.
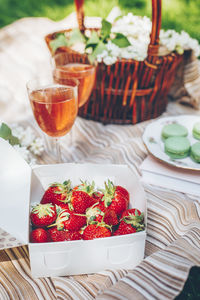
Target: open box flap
{"x":15,"y":178}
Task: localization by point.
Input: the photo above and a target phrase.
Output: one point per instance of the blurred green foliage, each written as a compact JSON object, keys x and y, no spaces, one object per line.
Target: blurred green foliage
{"x":176,"y":14}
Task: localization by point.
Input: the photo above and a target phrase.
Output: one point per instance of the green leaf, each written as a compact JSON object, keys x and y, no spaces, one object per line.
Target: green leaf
{"x":59,"y":41}
{"x":6,"y":134}
{"x":76,"y":37}
{"x":13,"y":140}
{"x":93,"y":40}
{"x":97,"y":50}
{"x":121,"y":40}
{"x":106,"y":29}
{"x":5,"y":131}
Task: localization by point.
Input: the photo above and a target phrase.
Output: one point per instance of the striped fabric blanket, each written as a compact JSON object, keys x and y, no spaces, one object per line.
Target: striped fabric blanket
{"x":173,"y":231}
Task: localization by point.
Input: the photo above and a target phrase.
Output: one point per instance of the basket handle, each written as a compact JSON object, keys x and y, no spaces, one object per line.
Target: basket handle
{"x":80,"y":14}
{"x":155,"y":31}
{"x":156,"y":24}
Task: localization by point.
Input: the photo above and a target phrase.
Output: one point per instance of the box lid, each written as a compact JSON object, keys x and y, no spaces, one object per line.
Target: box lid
{"x":15,"y":178}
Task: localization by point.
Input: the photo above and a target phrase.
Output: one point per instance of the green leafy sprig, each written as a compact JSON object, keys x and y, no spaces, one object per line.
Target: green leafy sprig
{"x":6,"y":134}
{"x":95,"y":44}
{"x":98,"y":41}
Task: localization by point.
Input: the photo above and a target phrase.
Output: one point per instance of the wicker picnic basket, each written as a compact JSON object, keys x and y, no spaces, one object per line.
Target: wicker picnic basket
{"x":128,"y":91}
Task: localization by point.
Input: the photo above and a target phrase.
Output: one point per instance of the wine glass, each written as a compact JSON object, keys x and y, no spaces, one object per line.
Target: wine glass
{"x":64,"y":67}
{"x":54,"y":106}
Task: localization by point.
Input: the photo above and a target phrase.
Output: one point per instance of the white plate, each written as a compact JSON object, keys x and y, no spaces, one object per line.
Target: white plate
{"x":152,"y":140}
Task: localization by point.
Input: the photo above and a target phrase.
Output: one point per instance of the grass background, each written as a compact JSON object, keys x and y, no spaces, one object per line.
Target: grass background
{"x":176,"y":14}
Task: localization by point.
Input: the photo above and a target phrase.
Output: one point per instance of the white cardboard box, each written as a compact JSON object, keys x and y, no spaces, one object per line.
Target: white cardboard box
{"x":22,"y":186}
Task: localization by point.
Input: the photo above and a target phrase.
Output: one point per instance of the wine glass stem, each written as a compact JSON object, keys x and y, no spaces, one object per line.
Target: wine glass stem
{"x":58,"y":150}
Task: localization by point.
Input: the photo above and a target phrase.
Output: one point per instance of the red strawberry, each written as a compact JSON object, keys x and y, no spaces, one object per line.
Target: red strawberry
{"x":99,"y":213}
{"x":89,"y":188}
{"x":56,"y":235}
{"x":43,"y":215}
{"x":134,"y":218}
{"x":97,"y":196}
{"x":39,"y":235}
{"x":95,"y":213}
{"x":86,"y":187}
{"x":72,"y":236}
{"x":69,"y":220}
{"x":110,"y":217}
{"x":123,"y":192}
{"x":94,"y":231}
{"x":80,"y":201}
{"x":124,"y":229}
{"x":114,"y":199}
{"x":57,"y":193}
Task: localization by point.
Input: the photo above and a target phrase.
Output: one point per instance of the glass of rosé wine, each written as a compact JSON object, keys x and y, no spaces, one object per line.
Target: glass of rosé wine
{"x":64,"y":67}
{"x":54,"y":106}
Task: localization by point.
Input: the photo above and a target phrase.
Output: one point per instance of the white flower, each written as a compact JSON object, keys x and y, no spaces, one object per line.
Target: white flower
{"x":179,"y":42}
{"x":26,"y":136}
{"x":37,"y":146}
{"x":137,"y":30}
{"x":113,"y":50}
{"x":109,"y":60}
{"x":30,"y":144}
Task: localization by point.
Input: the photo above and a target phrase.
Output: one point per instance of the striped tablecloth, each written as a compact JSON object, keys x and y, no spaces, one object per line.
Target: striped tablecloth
{"x":173,"y":232}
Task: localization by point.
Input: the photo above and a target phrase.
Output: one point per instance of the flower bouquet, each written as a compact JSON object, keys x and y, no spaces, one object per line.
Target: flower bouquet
{"x":136,"y":60}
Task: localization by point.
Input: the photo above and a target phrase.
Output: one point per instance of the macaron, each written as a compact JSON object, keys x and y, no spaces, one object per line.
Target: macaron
{"x":196,"y":131}
{"x":173,"y":129}
{"x":195,"y":152}
{"x":177,"y":147}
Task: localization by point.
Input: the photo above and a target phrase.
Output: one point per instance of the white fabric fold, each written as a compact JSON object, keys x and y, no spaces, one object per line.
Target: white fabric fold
{"x":160,"y":174}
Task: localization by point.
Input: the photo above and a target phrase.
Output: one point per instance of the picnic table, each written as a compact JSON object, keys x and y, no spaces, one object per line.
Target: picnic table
{"x":173,"y":226}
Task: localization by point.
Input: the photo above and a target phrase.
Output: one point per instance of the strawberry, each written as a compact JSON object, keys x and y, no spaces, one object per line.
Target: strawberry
{"x":43,"y":215}
{"x":99,"y":213}
{"x":97,"y":196}
{"x":123,"y":192}
{"x":57,"y":193}
{"x":67,"y":219}
{"x":56,"y":235}
{"x":80,"y":201}
{"x":124,"y":229}
{"x":114,"y":199}
{"x":134,"y":218}
{"x":110,"y":217}
{"x":39,"y":235}
{"x":94,"y":231}
{"x":72,"y":236}
{"x":95,"y":213}
{"x":88,"y":188}
{"x":62,"y":206}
